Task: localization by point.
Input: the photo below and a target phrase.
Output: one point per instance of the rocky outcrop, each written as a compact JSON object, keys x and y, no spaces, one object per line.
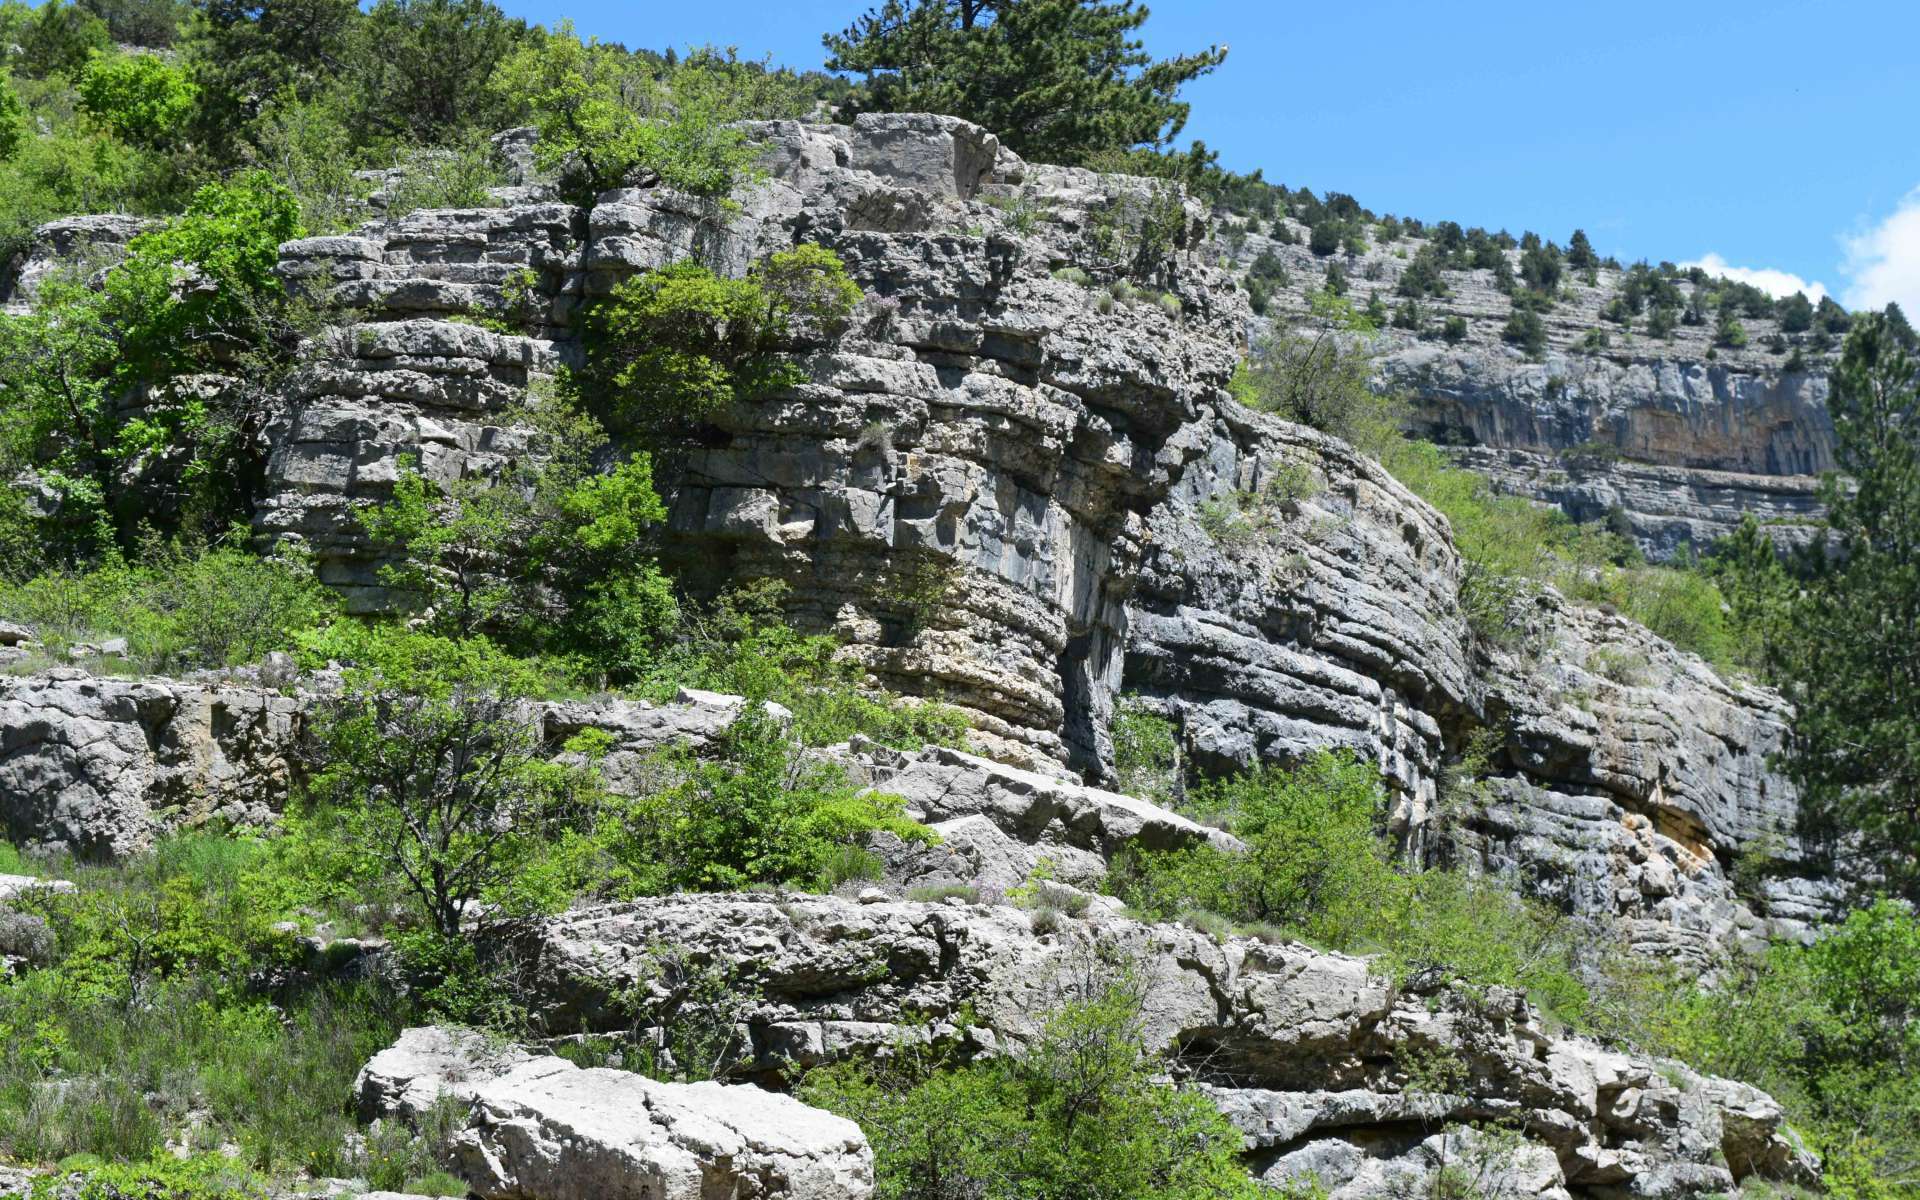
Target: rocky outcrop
{"x":98,"y":766}
{"x":1691,"y":435}
{"x":985,"y":423}
{"x":84,"y":247}
{"x":1000,"y":827}
{"x":541,"y":1128}
{"x":1297,"y":598}
{"x":1631,"y":781}
{"x":1671,"y":512}
{"x":1324,"y":1065}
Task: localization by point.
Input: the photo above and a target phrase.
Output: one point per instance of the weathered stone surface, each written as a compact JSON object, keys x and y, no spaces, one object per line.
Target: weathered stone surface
{"x":999,"y":824}
{"x":98,"y":766}
{"x":1702,"y":433}
{"x":1317,"y":1048}
{"x":85,"y":246}
{"x":1669,"y":510}
{"x":540,"y":1128}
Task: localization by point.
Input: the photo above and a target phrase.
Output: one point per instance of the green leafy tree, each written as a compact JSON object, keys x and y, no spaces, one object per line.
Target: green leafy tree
{"x":140,"y":98}
{"x":59,"y":39}
{"x":552,"y":556}
{"x":431,"y":769}
{"x":669,"y":348}
{"x":1318,"y":374}
{"x":1059,"y":80}
{"x":611,"y":119}
{"x":1795,"y":313}
{"x":197,"y":294}
{"x":13,"y":121}
{"x":246,"y":54}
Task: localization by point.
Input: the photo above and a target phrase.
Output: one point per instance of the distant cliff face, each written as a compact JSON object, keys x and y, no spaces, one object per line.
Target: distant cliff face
{"x":1677,"y":436}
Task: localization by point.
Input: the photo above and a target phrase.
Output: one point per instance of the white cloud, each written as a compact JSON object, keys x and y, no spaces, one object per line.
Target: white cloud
{"x":1883,"y":263}
{"x":1774,"y":283}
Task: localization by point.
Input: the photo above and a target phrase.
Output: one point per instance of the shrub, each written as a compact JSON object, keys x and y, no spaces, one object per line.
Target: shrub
{"x":1319,"y":376}
{"x":609,"y":119}
{"x":430,"y":768}
{"x":70,"y":364}
{"x":1315,"y":862}
{"x":1146,"y":752}
{"x":179,"y":610}
{"x":1525,"y":329}
{"x":455,"y":176}
{"x":140,"y":98}
{"x":1324,"y":238}
{"x":670,"y":347}
{"x":1455,"y":330}
{"x":759,"y":815}
{"x":1080,"y":1113}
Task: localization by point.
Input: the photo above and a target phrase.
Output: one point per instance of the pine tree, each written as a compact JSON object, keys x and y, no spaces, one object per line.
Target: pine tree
{"x":1850,"y":658}
{"x":1580,"y":255}
{"x":1061,"y":81}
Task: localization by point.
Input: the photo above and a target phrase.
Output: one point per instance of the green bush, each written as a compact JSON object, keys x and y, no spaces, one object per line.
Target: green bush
{"x":140,"y":98}
{"x":1831,"y":1029}
{"x":1080,"y":1113}
{"x":1146,"y":752}
{"x":1315,"y":863}
{"x":1525,"y":330}
{"x":201,"y":1177}
{"x":669,"y":348}
{"x":68,"y":366}
{"x":741,"y":645}
{"x":758,"y":815}
{"x":1319,"y":375}
{"x":178,"y":610}
{"x":610,"y":119}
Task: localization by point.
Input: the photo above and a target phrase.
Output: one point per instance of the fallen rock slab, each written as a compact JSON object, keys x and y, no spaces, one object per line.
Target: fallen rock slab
{"x":541,"y":1128}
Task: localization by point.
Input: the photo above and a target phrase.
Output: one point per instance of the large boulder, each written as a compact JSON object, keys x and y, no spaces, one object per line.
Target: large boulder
{"x":98,"y":766}
{"x":540,"y":1128}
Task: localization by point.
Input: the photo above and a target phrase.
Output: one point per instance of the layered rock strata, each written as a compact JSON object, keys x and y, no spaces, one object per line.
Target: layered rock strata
{"x":1313,"y":1055}
{"x":1022,"y":494}
{"x":1690,"y":435}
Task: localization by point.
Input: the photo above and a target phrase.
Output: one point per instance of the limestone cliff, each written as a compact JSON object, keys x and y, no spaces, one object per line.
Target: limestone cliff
{"x":1066,"y":471}
{"x":1679,"y":436}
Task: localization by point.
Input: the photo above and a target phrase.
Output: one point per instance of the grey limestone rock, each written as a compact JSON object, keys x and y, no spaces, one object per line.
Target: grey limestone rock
{"x":1304,"y":1050}
{"x":98,"y":766}
{"x":540,"y":1128}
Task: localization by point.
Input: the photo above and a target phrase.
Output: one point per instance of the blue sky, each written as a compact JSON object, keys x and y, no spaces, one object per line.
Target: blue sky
{"x":1759,"y":135}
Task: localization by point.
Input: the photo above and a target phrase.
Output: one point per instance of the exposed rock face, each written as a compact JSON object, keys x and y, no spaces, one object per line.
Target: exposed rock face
{"x":1631,"y":781}
{"x":1321,"y":610}
{"x":1296,"y":597}
{"x":984,"y":416}
{"x":998,"y":824}
{"x":98,"y":766}
{"x":541,"y":1128}
{"x":1309,"y":1053}
{"x":85,"y":246}
{"x":1670,"y":511}
{"x":1735,"y":429}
